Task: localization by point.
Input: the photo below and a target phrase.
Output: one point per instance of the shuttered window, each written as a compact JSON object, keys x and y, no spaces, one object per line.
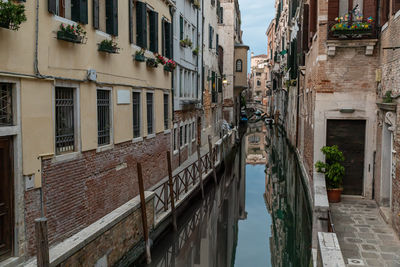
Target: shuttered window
{"x":141,"y":24}
{"x":305,"y":27}
{"x":210,"y":36}
{"x":166,"y":111}
{"x":167,"y":39}
{"x":217,"y":42}
{"x":131,"y":13}
{"x":313,"y":18}
{"x":76,"y":10}
{"x":112,"y":17}
{"x":153,"y":18}
{"x":333,"y":9}
{"x":136,"y":109}
{"x":150,"y":113}
{"x":181,"y":29}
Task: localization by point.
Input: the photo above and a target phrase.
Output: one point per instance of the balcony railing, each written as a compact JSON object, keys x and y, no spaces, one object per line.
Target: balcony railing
{"x":349,"y":30}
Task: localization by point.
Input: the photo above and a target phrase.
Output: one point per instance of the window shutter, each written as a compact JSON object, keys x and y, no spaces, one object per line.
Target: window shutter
{"x":210,"y":37}
{"x":333,"y":9}
{"x":181,"y":28}
{"x":52,"y":7}
{"x":162,"y":36}
{"x":168,"y":40}
{"x":396,"y":6}
{"x":79,"y":11}
{"x":213,"y":81}
{"x":112,"y":17}
{"x":312,"y":17}
{"x":305,"y":27}
{"x":141,"y":25}
{"x":217,"y":42}
{"x":130,"y":21}
{"x":369,"y":7}
{"x":153,"y":17}
{"x":221,"y":13}
{"x":96,"y":14}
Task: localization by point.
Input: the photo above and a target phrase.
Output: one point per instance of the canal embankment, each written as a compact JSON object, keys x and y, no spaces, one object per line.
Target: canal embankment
{"x":120,"y":233}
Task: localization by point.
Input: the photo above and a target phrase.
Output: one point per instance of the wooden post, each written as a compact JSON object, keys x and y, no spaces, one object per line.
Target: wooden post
{"x":200,"y":171}
{"x":212,"y":158}
{"x":144,"y":214}
{"x":42,"y":243}
{"x":171,"y":191}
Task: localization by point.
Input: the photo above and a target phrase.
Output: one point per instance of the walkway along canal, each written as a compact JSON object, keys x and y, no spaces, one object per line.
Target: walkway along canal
{"x":257,"y":215}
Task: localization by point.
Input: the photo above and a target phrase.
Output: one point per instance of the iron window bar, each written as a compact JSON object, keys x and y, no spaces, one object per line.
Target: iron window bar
{"x":103,"y":117}
{"x":6,"y":108}
{"x":65,"y":130}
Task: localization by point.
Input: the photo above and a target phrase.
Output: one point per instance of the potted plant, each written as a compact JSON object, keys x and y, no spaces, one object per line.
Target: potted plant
{"x":333,"y":170}
{"x":11,"y":15}
{"x":183,"y":43}
{"x":186,"y":42}
{"x":346,"y":26}
{"x":151,"y":62}
{"x":170,"y":65}
{"x":108,"y":46}
{"x":71,"y":33}
{"x":160,"y":59}
{"x":196,"y":4}
{"x":196,"y":51}
{"x":139,"y":55}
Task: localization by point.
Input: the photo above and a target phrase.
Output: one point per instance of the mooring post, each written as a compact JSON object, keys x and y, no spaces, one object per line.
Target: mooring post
{"x":42,"y":243}
{"x":200,"y":171}
{"x":171,"y":191}
{"x":144,"y":214}
{"x":212,"y":158}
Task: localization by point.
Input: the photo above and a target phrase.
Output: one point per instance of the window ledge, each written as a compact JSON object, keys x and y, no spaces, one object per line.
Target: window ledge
{"x":384,"y":27}
{"x":104,"y":148}
{"x":176,"y":152}
{"x":64,"y":20}
{"x":137,"y":139}
{"x":167,"y":131}
{"x":369,"y":45}
{"x":150,"y":136}
{"x":67,"y":157}
{"x":396,"y":15}
{"x":103,"y":34}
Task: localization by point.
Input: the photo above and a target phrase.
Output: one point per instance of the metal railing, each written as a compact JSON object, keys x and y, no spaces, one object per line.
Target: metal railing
{"x":183,"y":181}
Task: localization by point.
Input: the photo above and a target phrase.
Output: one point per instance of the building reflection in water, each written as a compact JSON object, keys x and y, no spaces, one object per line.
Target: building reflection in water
{"x":208,"y":231}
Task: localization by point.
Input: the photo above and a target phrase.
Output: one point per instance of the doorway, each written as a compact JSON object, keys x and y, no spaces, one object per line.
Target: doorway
{"x":6,"y":197}
{"x":349,"y":136}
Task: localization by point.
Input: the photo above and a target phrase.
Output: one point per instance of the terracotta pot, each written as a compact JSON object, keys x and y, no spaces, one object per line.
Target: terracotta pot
{"x":334,"y":195}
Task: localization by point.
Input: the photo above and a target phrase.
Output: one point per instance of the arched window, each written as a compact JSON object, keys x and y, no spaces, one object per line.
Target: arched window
{"x":239,"y":64}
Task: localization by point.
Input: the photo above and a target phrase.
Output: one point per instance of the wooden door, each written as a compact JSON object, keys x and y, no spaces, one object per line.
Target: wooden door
{"x":6,"y":197}
{"x":349,"y":136}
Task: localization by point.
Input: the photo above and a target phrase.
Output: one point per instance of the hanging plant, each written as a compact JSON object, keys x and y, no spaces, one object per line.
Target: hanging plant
{"x":196,"y":4}
{"x":186,"y":42}
{"x":139,"y":55}
{"x":71,"y":33}
{"x":196,"y":51}
{"x":108,"y":46}
{"x":160,"y":59}
{"x":11,"y":15}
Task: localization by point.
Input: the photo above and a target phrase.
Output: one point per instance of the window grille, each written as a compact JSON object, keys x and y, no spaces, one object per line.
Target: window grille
{"x":175,"y":138}
{"x":65,"y":125}
{"x":181,"y":136}
{"x":166,"y":108}
{"x":149,"y":99}
{"x":239,"y":64}
{"x":136,"y":114}
{"x":103,"y":117}
{"x":6,"y":114}
{"x":186,"y":134}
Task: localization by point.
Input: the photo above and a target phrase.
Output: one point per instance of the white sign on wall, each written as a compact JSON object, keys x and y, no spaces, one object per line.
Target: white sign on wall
{"x":123,"y":97}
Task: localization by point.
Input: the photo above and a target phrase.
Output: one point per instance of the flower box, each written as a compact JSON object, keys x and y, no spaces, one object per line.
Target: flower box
{"x":69,"y":37}
{"x":108,"y":46}
{"x":140,"y":58}
{"x":168,"y":68}
{"x":151,"y":63}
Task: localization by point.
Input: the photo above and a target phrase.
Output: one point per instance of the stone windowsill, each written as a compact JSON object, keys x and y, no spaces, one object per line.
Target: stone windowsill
{"x":369,"y":45}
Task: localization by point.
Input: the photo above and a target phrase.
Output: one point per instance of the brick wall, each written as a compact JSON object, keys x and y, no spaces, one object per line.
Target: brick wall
{"x":80,"y":191}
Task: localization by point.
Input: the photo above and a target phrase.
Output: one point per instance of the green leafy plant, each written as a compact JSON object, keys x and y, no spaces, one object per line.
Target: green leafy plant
{"x":332,"y":167}
{"x":11,"y":15}
{"x":139,"y":55}
{"x":71,"y":33}
{"x":108,"y":46}
{"x":196,"y":4}
{"x":186,"y":42}
{"x":387,"y":98}
{"x":196,"y":51}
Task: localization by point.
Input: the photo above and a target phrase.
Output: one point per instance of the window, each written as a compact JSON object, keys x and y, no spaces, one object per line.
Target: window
{"x":166,"y":111}
{"x":65,"y":120}
{"x":105,"y":16}
{"x":258,"y":83}
{"x":6,"y":108}
{"x":153,"y":31}
{"x":175,"y":138}
{"x":141,"y":24}
{"x":181,"y":83}
{"x":76,"y":10}
{"x":181,"y":29}
{"x":210,"y":36}
{"x":103,"y":117}
{"x":150,"y":112}
{"x":181,"y":136}
{"x":186,"y":134}
{"x":166,"y":39}
{"x":136,"y":114}
{"x":258,"y":73}
{"x":239,"y":65}
{"x":193,"y":131}
{"x":132,"y":20}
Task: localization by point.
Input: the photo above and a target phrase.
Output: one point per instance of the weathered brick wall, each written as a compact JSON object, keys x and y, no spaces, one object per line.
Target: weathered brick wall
{"x":80,"y":191}
{"x":115,"y":242}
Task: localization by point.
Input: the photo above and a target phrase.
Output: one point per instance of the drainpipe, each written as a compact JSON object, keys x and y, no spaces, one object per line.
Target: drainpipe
{"x":202,"y":53}
{"x":171,"y":11}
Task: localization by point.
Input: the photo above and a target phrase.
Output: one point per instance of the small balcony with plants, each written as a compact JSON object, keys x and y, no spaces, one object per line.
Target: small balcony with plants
{"x":352,"y":26}
{"x":108,"y":46}
{"x":12,"y":15}
{"x":72,"y":33}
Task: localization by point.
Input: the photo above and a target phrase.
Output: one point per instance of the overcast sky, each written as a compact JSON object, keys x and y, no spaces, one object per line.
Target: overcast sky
{"x":256,"y":16}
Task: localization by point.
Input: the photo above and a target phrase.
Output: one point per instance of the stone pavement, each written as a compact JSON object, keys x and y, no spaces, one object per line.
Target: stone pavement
{"x":364,"y":237}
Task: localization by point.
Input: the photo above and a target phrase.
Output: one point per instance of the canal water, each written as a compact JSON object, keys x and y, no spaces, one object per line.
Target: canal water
{"x":258,"y":215}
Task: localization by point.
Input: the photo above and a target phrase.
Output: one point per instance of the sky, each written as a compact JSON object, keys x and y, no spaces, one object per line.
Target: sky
{"x":256,"y":16}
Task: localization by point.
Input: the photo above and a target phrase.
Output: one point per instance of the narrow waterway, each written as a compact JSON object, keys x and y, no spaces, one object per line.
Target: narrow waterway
{"x":258,"y":215}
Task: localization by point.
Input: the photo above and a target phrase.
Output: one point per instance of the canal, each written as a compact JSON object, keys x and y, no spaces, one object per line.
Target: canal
{"x":258,"y":214}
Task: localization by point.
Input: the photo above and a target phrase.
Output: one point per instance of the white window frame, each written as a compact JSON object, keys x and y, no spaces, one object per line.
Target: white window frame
{"x":140,"y":138}
{"x":175,"y":136}
{"x":101,"y":148}
{"x":153,"y":134}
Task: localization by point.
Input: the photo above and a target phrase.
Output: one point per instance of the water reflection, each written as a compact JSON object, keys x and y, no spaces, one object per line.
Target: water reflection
{"x":257,"y":216}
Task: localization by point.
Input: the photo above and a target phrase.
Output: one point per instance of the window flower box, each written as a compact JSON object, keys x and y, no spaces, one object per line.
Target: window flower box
{"x":108,"y":46}
{"x":186,"y":42}
{"x":346,"y":27}
{"x":151,"y":63}
{"x":139,"y":55}
{"x":11,"y":15}
{"x":170,"y":65}
{"x":71,"y":33}
{"x":195,"y":51}
{"x":160,"y":59}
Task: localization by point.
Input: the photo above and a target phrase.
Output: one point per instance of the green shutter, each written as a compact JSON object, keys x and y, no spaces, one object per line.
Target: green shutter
{"x":217,"y":41}
{"x":181,"y":28}
{"x":153,"y":17}
{"x":168,"y":40}
{"x":96,"y":14}
{"x":210,"y":34}
{"x":141,"y":25}
{"x":51,"y":6}
{"x":213,"y":81}
{"x":130,"y":21}
{"x":79,"y":11}
{"x":221,"y":13}
{"x":112,"y":17}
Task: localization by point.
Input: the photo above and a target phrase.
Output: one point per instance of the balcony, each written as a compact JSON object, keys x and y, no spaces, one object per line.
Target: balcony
{"x":352,"y":30}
